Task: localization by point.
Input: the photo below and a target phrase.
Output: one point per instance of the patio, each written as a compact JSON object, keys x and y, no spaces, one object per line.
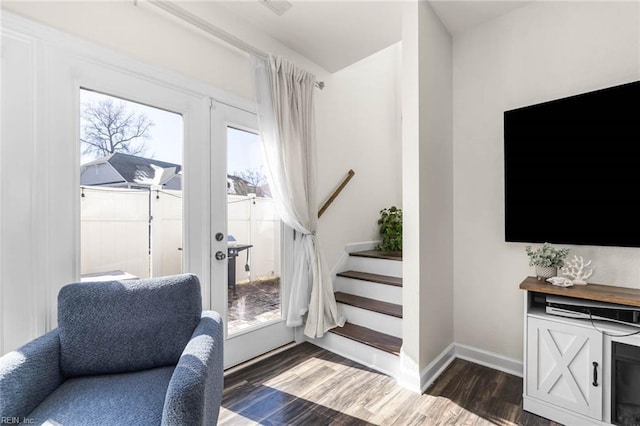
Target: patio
{"x":256,"y":302}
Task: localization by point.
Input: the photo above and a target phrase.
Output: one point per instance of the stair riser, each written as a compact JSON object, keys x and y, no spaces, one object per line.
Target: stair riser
{"x":383,"y":292}
{"x":379,"y":322}
{"x":393,"y":268}
{"x":366,"y":355}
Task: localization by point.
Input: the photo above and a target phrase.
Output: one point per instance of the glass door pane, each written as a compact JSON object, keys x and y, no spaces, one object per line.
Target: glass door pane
{"x":253,"y":235}
{"x":131,"y":189}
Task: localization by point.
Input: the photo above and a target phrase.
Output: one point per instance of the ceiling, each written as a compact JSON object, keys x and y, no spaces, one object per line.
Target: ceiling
{"x":458,"y":15}
{"x":335,"y":34}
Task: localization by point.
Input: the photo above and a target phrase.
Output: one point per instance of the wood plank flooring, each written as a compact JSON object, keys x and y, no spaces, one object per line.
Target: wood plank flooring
{"x":307,"y":385}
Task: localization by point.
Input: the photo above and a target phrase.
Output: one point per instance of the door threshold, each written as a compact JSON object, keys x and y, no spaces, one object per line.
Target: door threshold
{"x":259,"y":358}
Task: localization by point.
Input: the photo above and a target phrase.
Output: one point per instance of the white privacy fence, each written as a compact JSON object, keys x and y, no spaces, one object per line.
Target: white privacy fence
{"x":254,"y":221}
{"x":140,"y":232}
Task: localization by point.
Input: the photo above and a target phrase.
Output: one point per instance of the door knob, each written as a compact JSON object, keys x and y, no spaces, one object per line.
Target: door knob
{"x":220,"y":255}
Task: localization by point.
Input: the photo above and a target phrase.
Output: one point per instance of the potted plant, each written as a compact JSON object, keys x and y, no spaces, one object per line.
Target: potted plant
{"x":390,"y":229}
{"x":547,"y":259}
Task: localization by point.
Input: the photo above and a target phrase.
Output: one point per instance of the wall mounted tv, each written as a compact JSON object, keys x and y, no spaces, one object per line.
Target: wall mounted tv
{"x":572,"y":169}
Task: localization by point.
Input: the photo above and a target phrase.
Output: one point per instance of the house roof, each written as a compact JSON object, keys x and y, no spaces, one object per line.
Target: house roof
{"x":130,"y":170}
{"x":138,"y":170}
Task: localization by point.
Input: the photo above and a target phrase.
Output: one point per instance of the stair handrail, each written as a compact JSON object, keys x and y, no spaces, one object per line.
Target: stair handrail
{"x":335,"y":194}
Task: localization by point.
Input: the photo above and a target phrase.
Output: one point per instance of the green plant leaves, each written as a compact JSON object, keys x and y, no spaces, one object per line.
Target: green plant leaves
{"x":546,"y":255}
{"x":390,"y":229}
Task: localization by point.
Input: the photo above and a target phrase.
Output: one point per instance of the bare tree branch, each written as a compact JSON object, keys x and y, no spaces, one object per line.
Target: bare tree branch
{"x":109,"y":127}
{"x":254,"y":177}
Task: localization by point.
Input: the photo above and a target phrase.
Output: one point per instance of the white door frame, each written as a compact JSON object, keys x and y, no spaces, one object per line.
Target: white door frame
{"x":195,"y":114}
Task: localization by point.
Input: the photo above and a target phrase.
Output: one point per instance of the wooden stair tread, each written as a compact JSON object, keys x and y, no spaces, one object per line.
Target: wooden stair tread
{"x":376,"y":278}
{"x":377,"y":254}
{"x":375,"y":339}
{"x":370,"y":304}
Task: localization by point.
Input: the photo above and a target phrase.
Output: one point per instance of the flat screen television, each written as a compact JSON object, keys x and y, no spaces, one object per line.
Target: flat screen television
{"x":572,"y":169}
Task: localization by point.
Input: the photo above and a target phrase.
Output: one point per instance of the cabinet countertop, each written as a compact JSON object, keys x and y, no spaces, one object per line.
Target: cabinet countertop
{"x":597,"y":292}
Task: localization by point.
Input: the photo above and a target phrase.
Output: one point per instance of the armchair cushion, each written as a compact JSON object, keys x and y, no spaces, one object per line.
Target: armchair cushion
{"x":111,"y":399}
{"x":125,"y":326}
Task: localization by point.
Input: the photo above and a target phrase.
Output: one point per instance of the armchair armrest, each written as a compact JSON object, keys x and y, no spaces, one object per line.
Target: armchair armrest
{"x":29,"y":374}
{"x":195,"y":390}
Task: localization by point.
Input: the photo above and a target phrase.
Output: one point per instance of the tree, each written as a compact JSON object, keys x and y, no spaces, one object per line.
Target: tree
{"x":109,"y":126}
{"x":254,"y":177}
{"x":256,"y":182}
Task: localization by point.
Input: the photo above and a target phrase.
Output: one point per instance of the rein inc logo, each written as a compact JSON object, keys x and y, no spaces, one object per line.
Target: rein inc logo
{"x":16,"y":420}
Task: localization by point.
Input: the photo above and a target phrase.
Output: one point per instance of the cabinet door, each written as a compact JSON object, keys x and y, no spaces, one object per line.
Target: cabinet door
{"x":564,"y":366}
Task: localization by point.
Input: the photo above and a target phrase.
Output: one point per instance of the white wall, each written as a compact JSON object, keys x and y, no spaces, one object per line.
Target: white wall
{"x":427,"y":191}
{"x":436,"y":186}
{"x":540,"y":52}
{"x":151,"y":35}
{"x":146,"y":34}
{"x":358,"y":128}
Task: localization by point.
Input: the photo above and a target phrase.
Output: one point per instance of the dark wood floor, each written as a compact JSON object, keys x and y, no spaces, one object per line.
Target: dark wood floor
{"x":307,"y":385}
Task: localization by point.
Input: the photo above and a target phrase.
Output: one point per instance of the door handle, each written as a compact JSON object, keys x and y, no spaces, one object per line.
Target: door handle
{"x":595,"y":374}
{"x":220,"y":255}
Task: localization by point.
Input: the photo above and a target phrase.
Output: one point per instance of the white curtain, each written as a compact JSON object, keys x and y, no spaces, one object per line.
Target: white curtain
{"x":284,"y":96}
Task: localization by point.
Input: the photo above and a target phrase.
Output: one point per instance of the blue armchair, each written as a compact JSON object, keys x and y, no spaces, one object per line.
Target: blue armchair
{"x":125,"y":352}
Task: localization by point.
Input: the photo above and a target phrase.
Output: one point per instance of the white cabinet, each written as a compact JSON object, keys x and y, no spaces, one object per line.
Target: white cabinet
{"x":568,"y":354}
{"x":564,"y":365}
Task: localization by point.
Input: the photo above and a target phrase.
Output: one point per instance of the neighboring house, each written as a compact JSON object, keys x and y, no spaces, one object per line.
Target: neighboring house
{"x":120,"y":170}
{"x":239,"y":186}
{"x":130,"y":171}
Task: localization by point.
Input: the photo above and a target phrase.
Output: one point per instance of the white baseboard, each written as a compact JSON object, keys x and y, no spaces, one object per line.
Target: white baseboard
{"x":432,"y":371}
{"x":375,"y":359}
{"x":342,"y":263}
{"x":489,"y":359}
{"x":468,"y":353}
{"x":365,"y":245}
{"x":557,"y":414}
{"x":405,"y":372}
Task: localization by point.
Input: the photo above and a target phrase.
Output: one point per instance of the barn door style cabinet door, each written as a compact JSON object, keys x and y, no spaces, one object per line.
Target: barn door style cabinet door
{"x":564,"y":366}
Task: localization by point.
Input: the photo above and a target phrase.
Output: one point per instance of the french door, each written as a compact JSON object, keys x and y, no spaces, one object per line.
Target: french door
{"x":249,"y":243}
{"x":219,"y":214}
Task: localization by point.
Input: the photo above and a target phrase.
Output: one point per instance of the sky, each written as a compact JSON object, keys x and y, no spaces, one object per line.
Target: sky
{"x":243,"y":151}
{"x":166,"y":134}
{"x":166,"y":138}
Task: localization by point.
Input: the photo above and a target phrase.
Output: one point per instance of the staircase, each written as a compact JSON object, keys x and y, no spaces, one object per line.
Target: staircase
{"x":369,"y":293}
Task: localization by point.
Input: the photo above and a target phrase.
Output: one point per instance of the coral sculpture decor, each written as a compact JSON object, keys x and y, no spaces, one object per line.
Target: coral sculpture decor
{"x":578,"y":270}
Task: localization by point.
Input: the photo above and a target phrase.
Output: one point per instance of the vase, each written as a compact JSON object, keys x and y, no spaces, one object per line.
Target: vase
{"x":544,"y":272}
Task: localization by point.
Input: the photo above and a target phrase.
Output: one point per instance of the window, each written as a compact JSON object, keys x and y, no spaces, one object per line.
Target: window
{"x":254,"y":228}
{"x":131,"y":189}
